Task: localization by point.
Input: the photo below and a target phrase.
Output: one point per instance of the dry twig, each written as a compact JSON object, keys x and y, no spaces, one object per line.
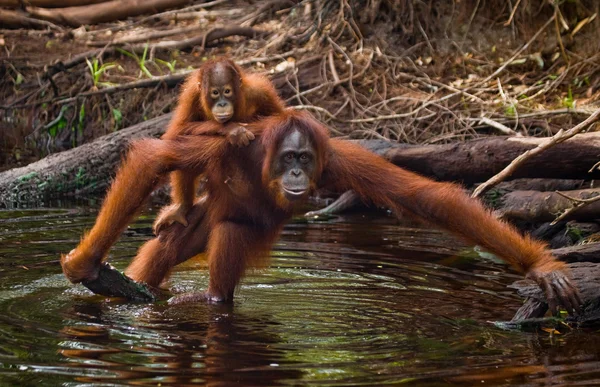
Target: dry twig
{"x":550,"y":142}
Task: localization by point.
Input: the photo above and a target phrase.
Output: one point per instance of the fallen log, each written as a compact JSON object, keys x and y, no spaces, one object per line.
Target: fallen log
{"x":542,"y":185}
{"x":49,"y":3}
{"x":563,"y":234}
{"x":581,"y":253}
{"x":537,"y":206}
{"x":586,"y":277}
{"x":85,"y":170}
{"x":103,"y":12}
{"x":478,"y":160}
{"x":16,"y":20}
{"x":112,"y":283}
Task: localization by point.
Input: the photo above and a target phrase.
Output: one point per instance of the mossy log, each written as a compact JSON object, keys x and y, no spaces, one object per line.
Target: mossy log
{"x":113,"y":283}
{"x":80,"y":172}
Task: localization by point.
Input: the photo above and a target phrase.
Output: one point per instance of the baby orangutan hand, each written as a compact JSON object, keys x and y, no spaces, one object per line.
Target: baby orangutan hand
{"x":239,"y":136}
{"x":169,"y":215}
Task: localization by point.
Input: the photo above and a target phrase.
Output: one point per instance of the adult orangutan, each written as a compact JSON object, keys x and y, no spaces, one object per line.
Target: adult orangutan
{"x":292,"y":157}
{"x":219,"y":91}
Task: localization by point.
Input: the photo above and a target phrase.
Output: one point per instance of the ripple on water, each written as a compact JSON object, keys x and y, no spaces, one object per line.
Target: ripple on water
{"x":353,"y":301}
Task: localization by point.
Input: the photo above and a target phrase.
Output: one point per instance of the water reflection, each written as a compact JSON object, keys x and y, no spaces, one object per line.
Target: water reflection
{"x":179,"y":346}
{"x":352,"y":301}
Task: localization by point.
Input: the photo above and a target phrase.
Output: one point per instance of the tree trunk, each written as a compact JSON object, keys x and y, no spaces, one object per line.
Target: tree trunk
{"x":85,"y":170}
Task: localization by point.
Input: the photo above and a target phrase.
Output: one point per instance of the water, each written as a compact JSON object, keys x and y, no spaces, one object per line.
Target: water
{"x":352,"y":301}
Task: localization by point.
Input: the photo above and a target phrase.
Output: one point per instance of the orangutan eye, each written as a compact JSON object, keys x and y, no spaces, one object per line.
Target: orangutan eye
{"x":288,"y":156}
{"x":215,"y":92}
{"x":304,"y":158}
{"x":227,"y":92}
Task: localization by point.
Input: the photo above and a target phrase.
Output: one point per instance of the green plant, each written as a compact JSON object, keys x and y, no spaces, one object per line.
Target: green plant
{"x":118,"y":117}
{"x":510,"y":110}
{"x":568,"y":101}
{"x":59,"y":123}
{"x":97,"y":70}
{"x":78,"y":127}
{"x":140,"y":61}
{"x":170,"y":65}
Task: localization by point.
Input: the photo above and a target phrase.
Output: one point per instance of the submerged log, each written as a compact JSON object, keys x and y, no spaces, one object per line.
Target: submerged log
{"x":546,"y":206}
{"x":113,"y":283}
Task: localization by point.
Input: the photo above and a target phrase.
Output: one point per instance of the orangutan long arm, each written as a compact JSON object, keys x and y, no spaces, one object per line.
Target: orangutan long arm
{"x":446,"y":205}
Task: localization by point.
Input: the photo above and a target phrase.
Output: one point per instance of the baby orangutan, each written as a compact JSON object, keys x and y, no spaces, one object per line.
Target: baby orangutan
{"x":219,"y":91}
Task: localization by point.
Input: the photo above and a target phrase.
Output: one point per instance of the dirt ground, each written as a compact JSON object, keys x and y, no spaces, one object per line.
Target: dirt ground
{"x":429,"y":73}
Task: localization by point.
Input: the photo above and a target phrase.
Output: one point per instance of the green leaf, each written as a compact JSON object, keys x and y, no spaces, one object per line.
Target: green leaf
{"x":118,"y":116}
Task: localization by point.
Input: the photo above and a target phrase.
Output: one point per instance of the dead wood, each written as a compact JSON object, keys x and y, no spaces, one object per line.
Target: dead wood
{"x":103,"y":12}
{"x":478,"y":160}
{"x":48,"y":3}
{"x":563,"y":234}
{"x":16,"y":20}
{"x":212,"y":35}
{"x":170,"y":80}
{"x":585,"y":275}
{"x":85,"y":170}
{"x":145,"y":37}
{"x":589,"y":252}
{"x":112,"y":283}
{"x":542,"y":185}
{"x":468,"y":162}
{"x":346,"y":201}
{"x":537,"y":206}
{"x":543,"y":146}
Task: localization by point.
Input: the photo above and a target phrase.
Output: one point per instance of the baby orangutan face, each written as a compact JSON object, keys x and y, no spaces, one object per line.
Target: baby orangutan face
{"x":223,"y":84}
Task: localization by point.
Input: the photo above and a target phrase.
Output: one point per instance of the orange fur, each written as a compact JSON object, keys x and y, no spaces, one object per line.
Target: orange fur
{"x":237,"y":228}
{"x":254,"y":95}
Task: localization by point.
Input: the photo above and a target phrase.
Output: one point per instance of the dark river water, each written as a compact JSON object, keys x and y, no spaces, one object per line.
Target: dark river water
{"x":354,"y":301}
